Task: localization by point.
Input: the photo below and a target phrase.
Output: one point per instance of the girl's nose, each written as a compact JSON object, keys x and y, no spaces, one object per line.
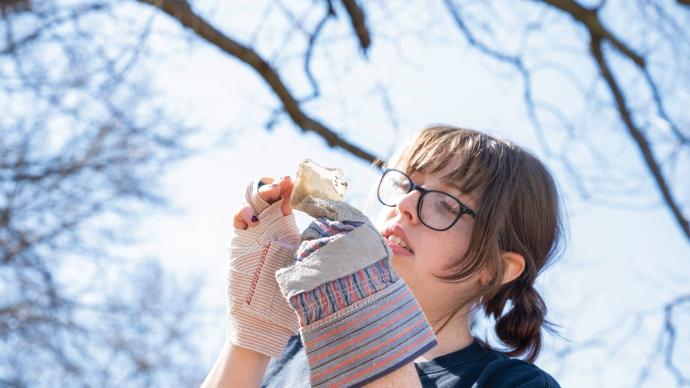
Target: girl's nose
{"x":407,"y":206}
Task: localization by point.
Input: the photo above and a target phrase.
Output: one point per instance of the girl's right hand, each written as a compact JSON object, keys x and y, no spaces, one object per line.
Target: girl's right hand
{"x":341,"y":285}
{"x":270,"y":192}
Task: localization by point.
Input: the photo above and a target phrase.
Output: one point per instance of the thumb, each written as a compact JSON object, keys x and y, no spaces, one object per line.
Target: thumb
{"x":286,"y":188}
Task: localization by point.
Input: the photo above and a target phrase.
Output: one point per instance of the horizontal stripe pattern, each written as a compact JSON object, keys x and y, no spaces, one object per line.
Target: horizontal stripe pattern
{"x":335,"y":295}
{"x":251,"y":332}
{"x":370,"y":338}
{"x":259,"y":317}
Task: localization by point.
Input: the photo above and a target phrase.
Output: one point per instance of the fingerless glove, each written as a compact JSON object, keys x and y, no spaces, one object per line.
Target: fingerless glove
{"x":259,"y":317}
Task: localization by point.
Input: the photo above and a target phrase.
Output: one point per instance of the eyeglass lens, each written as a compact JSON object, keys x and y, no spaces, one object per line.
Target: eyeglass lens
{"x":437,"y":210}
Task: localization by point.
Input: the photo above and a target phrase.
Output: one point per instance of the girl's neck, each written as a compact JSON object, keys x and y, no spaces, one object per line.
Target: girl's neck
{"x":455,"y":335}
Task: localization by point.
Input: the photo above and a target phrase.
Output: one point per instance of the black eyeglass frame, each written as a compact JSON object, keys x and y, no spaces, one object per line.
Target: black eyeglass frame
{"x":464,"y":209}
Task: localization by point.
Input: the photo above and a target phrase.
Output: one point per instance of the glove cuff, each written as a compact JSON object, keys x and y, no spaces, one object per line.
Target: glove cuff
{"x":336,"y":295}
{"x":368,"y":339}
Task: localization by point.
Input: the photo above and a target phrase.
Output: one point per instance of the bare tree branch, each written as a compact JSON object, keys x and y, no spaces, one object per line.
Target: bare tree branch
{"x":330,"y":13}
{"x":7,"y":6}
{"x":80,"y":146}
{"x":671,"y":334}
{"x":181,"y":11}
{"x":359,"y":25}
{"x":598,"y":33}
{"x":637,"y":135}
{"x":667,"y":343}
{"x":518,"y":63}
{"x":589,"y":17}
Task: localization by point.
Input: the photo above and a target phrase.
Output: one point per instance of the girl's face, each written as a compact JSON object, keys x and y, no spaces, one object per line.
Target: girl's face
{"x":429,"y":251}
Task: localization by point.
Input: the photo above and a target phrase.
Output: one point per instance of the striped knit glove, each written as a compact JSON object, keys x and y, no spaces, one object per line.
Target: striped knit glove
{"x":260,"y":318}
{"x":358,"y":319}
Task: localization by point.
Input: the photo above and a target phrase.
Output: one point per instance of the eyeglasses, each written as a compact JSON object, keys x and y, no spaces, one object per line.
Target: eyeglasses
{"x":435,"y":209}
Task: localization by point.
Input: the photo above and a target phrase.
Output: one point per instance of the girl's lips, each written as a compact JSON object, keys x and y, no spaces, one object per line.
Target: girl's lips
{"x":399,"y":231}
{"x":397,"y":249}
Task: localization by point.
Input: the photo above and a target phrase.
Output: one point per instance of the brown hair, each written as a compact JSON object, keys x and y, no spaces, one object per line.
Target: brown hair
{"x":518,"y":211}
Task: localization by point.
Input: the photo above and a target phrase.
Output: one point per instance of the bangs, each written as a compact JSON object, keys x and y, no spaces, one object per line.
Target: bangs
{"x":464,"y":159}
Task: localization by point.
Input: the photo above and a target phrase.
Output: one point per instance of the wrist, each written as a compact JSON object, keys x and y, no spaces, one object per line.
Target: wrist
{"x":237,"y":367}
{"x":258,"y":335}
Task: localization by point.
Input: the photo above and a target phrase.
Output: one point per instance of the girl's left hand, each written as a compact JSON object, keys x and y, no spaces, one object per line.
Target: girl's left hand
{"x":270,"y":192}
{"x":264,"y":239}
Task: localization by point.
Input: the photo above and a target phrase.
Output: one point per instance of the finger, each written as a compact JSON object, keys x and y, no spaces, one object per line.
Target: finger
{"x":245,"y":218}
{"x":238,"y":223}
{"x":270,"y":192}
{"x":265,"y":180}
{"x":286,"y":186}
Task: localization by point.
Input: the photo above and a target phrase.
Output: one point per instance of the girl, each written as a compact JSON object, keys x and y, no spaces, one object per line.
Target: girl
{"x":472,"y":221}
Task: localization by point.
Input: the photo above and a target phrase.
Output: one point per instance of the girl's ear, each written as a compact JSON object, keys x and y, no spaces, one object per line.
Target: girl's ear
{"x":514,"y":264}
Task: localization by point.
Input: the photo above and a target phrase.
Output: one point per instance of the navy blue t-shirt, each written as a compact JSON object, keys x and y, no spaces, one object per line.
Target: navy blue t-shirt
{"x":474,"y":366}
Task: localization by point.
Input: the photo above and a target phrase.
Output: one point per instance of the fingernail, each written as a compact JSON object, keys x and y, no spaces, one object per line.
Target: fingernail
{"x":255,"y":219}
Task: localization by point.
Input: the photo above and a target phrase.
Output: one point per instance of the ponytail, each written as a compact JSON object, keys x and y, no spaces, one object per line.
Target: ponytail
{"x":520,"y":328}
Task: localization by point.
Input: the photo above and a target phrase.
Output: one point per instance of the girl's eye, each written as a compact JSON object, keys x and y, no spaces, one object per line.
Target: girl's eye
{"x":402,"y":186}
{"x":448,"y":207}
